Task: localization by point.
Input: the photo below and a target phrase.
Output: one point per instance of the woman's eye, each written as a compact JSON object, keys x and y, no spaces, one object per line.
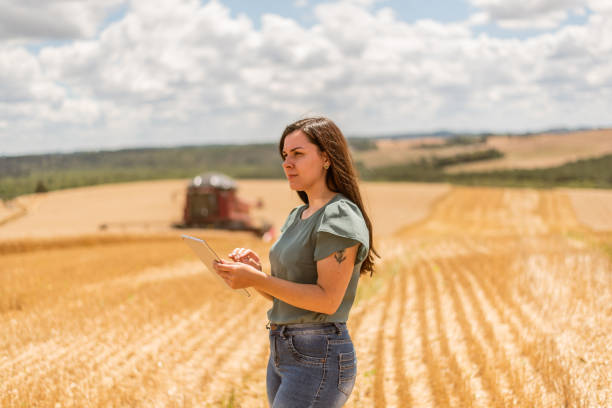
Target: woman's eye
{"x":292,"y":154}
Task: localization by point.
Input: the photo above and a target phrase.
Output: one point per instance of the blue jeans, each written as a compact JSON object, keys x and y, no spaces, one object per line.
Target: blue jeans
{"x":311,"y":365}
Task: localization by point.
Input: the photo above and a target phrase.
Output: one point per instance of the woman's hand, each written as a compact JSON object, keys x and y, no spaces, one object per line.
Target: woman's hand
{"x":250,"y":258}
{"x":238,"y":275}
{"x":246,"y":256}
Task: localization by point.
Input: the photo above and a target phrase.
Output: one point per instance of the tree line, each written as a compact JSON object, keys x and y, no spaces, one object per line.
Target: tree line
{"x":28,"y":174}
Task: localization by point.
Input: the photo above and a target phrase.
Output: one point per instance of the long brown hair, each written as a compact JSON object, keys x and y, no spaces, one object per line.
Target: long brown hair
{"x":341,"y":177}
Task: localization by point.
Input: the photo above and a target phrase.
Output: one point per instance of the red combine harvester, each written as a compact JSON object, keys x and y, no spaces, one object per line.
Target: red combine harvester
{"x":212,"y":202}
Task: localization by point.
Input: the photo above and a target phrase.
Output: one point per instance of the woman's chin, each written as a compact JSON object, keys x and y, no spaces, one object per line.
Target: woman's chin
{"x":295,"y":186}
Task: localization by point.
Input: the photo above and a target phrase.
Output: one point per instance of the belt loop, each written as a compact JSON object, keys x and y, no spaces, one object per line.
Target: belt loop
{"x":338,"y":328}
{"x":282,"y":331}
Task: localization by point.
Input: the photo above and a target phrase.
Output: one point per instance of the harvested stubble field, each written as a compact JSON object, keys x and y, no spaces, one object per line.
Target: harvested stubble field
{"x":484,"y":297}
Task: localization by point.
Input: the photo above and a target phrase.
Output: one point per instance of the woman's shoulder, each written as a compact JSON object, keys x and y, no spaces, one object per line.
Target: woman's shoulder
{"x":343,"y":214}
{"x":342,"y":206}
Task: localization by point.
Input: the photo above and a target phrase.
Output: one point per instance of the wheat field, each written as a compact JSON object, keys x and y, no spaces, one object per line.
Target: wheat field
{"x":484,"y":297}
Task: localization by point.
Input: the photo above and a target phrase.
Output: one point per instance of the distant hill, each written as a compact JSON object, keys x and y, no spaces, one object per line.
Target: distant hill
{"x":522,"y":151}
{"x":538,"y":160}
{"x":20,"y":175}
{"x":452,"y":134}
{"x":593,"y":173}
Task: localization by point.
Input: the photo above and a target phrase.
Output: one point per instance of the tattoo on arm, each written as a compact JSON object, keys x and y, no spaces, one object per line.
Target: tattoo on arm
{"x":340,"y":256}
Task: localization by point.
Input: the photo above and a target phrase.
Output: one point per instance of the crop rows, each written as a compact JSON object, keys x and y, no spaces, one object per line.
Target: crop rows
{"x":493,"y":300}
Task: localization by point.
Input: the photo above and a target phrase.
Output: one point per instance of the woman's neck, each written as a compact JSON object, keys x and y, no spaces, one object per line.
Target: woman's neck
{"x":317,"y":198}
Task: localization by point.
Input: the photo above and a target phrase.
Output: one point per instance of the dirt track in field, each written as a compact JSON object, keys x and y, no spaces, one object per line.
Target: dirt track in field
{"x":495,"y":298}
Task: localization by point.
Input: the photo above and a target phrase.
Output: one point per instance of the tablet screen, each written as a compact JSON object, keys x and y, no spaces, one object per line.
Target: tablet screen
{"x":206,"y":254}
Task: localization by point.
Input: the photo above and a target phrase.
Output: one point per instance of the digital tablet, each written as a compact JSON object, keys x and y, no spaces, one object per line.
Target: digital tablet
{"x":206,"y":254}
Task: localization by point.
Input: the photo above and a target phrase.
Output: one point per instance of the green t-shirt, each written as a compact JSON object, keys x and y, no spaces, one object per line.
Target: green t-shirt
{"x":337,"y":225}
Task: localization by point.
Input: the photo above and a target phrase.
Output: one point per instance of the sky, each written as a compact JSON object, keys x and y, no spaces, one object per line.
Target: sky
{"x":112,"y":74}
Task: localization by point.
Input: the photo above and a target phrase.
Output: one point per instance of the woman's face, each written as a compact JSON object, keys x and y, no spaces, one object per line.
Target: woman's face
{"x":303,"y":162}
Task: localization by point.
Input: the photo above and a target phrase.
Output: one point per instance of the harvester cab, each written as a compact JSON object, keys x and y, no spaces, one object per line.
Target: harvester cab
{"x":211,"y":202}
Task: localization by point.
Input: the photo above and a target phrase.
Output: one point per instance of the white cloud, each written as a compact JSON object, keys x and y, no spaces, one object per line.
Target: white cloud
{"x":538,"y":14}
{"x":478,"y":19}
{"x":600,"y":6}
{"x":546,"y":21}
{"x":53,"y":19}
{"x":177,"y":72}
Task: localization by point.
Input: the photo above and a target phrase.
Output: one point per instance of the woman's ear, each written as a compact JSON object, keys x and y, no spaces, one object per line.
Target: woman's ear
{"x":326,"y":160}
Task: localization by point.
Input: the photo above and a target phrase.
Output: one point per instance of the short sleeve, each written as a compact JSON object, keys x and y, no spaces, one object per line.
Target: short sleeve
{"x":341,"y":227}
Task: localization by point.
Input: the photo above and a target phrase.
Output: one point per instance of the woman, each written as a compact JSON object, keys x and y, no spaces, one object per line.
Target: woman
{"x":325,"y":245}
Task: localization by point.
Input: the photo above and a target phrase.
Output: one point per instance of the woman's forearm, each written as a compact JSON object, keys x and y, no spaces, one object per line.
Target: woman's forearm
{"x":264,"y":294}
{"x":303,"y":295}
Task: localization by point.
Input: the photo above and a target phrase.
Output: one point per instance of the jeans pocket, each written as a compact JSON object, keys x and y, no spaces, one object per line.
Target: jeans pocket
{"x":347,"y":372}
{"x":308,"y":348}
